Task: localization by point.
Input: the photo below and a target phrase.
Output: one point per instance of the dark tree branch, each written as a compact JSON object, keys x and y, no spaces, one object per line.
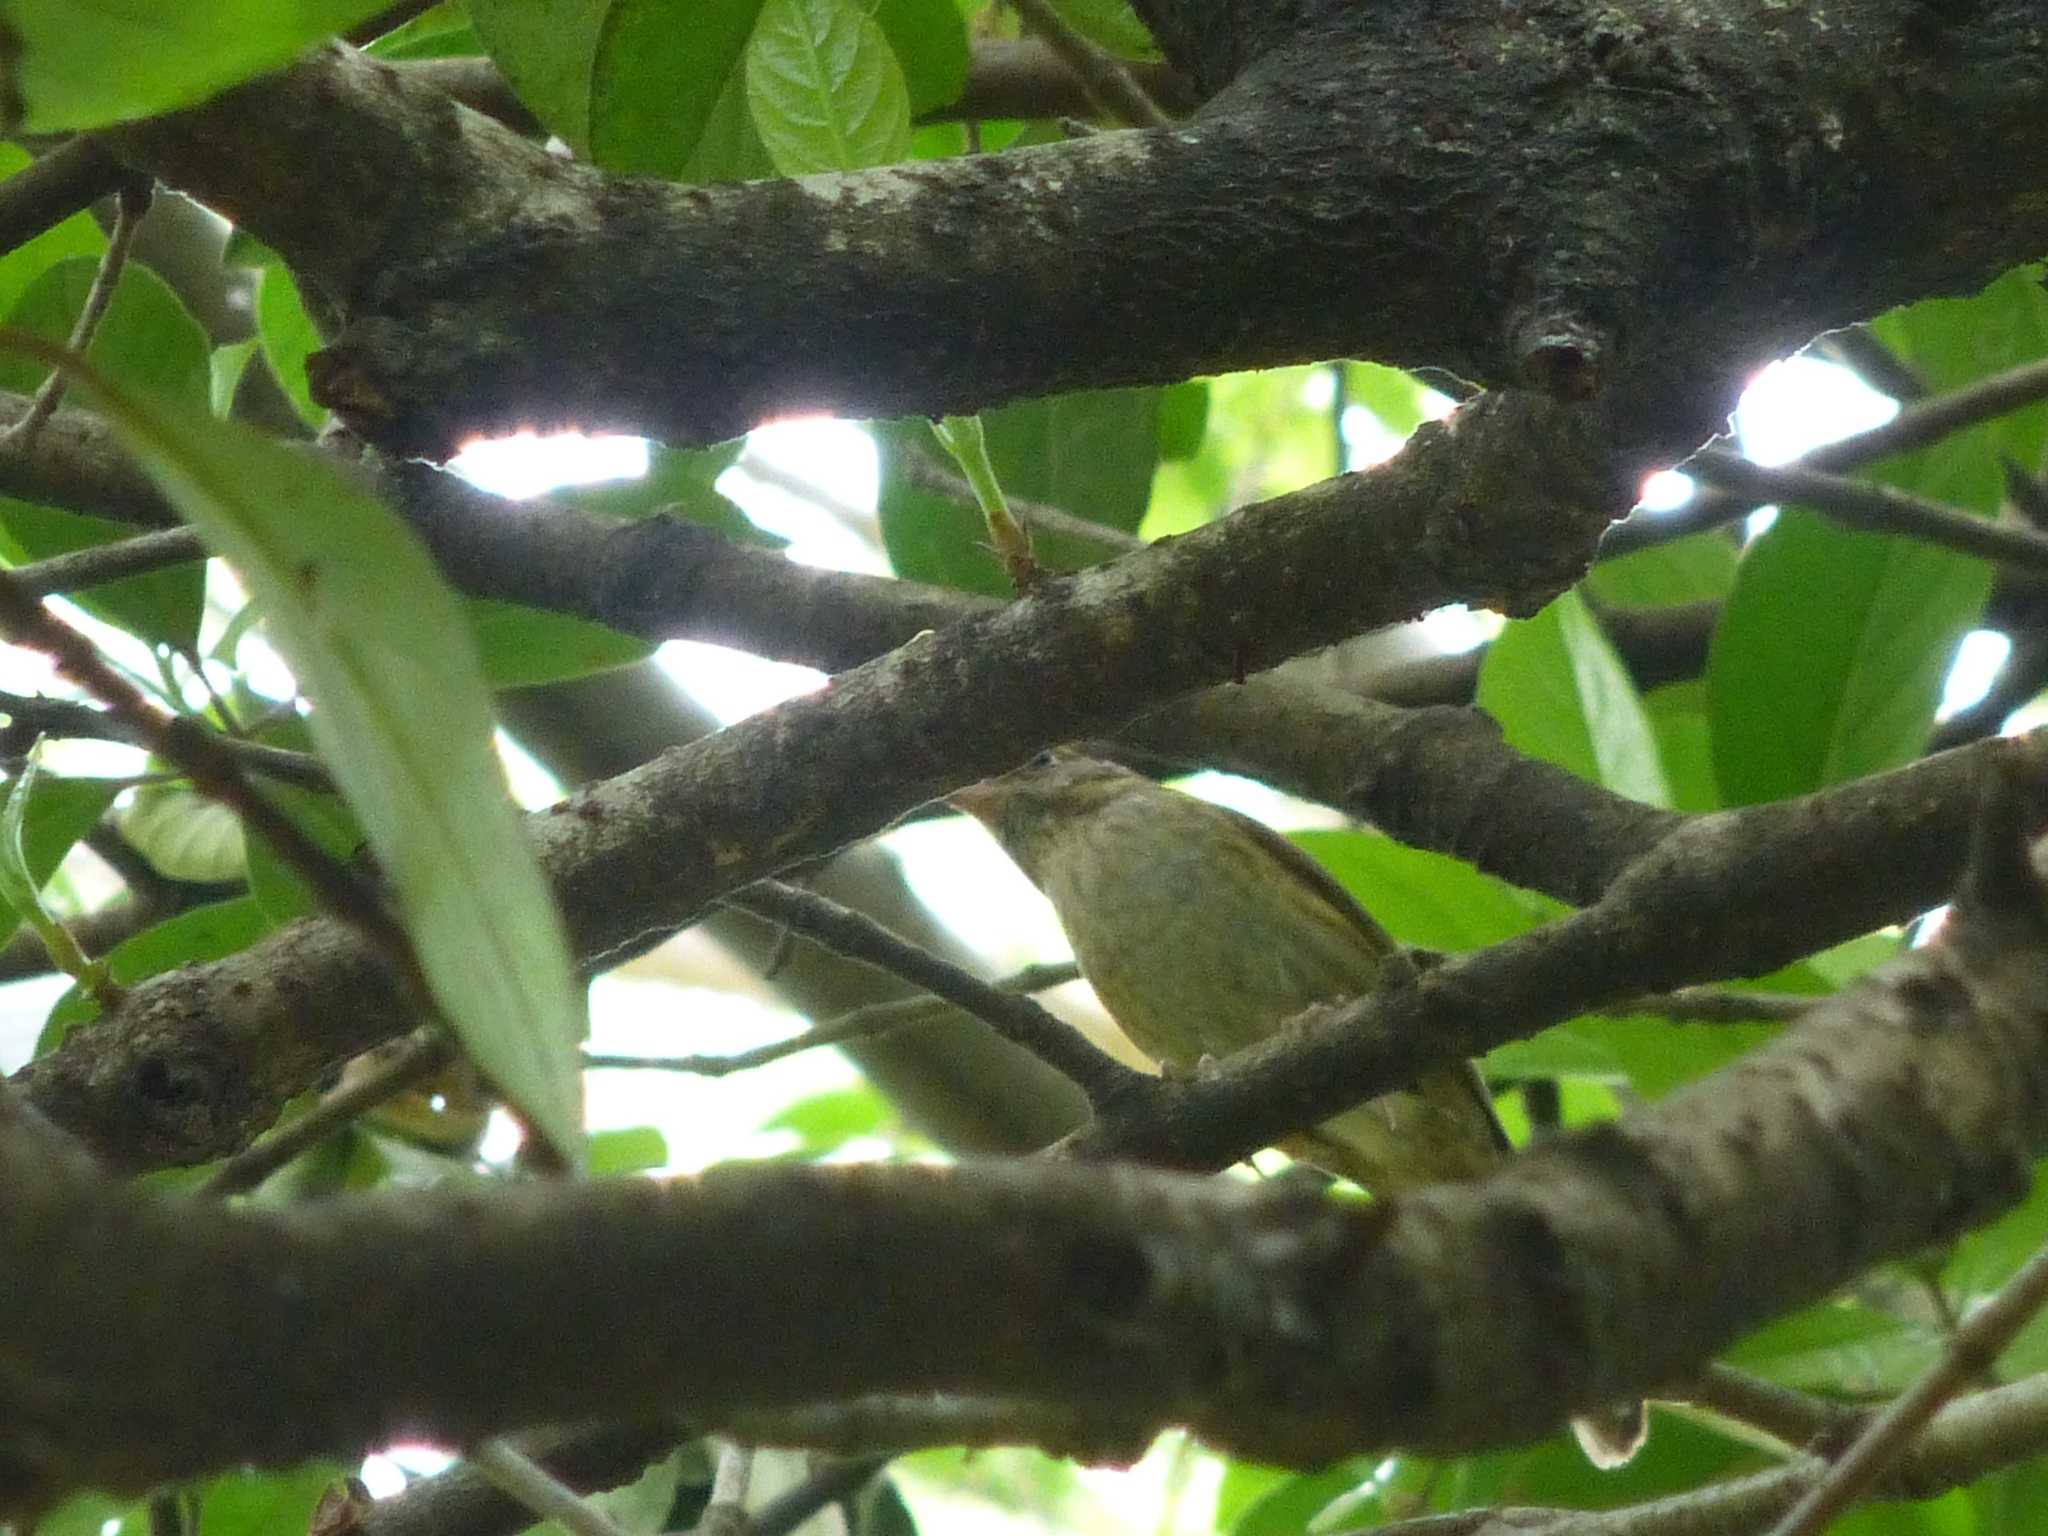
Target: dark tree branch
{"x":1876,"y":508}
{"x":1272,"y":1321}
{"x":70,"y":178}
{"x":1018,"y":1019}
{"x":692,"y":313}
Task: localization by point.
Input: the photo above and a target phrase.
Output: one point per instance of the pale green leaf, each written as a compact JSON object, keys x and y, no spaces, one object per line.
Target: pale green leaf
{"x":402,"y":716}
{"x":826,"y":91}
{"x":183,"y":834}
{"x":1561,"y":693}
{"x":86,"y":63}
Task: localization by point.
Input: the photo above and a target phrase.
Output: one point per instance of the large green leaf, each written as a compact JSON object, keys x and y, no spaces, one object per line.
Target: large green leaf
{"x":659,"y":88}
{"x":825,"y":89}
{"x":251,"y":1503}
{"x":930,"y":40}
{"x":1110,"y":24}
{"x":1560,"y":693}
{"x":1426,"y":899}
{"x":1830,"y":655}
{"x":85,"y":63}
{"x":1833,"y":648}
{"x":185,"y":835}
{"x":163,"y":606}
{"x":520,"y":647}
{"x":402,"y":717}
{"x":59,"y":813}
{"x":289,"y":337}
{"x":1692,"y":569}
{"x":147,"y":338}
{"x":546,"y":50}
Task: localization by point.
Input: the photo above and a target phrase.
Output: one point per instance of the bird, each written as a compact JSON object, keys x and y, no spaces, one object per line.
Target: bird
{"x":1203,"y":932}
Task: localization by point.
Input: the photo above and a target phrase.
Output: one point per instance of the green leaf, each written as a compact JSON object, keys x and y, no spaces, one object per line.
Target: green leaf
{"x":519,"y":647}
{"x":22,"y":890}
{"x":146,"y":337}
{"x":930,"y":41}
{"x":95,"y":1514}
{"x":1183,"y":418}
{"x":326,"y":819}
{"x":825,"y":89}
{"x":184,"y":834}
{"x":162,"y":606}
{"x":289,"y":338}
{"x":1290,"y":1507}
{"x":546,"y":50}
{"x":225,"y":367}
{"x":191,"y":938}
{"x":1428,"y":900}
{"x":1833,"y":648}
{"x":1696,"y":568}
{"x":655,"y":86}
{"x":1561,"y":693}
{"x":82,"y":64}
{"x":1830,"y":655}
{"x":440,"y":32}
{"x":266,"y":1503}
{"x":1838,"y":1347}
{"x":77,"y":235}
{"x":730,"y":147}
{"x":627,"y":1151}
{"x":2008,"y":1500}
{"x":58,"y":813}
{"x":828,"y":1120}
{"x":1110,"y":24}
{"x":402,"y":717}
{"x":1679,"y":715}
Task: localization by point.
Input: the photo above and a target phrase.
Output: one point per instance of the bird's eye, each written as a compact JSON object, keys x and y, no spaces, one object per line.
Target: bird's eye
{"x":1045,"y":759}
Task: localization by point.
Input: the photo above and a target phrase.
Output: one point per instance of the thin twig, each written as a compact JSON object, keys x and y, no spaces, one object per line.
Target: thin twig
{"x":1973,"y":1349}
{"x":214,"y":769}
{"x":520,"y":1477}
{"x":1795,"y":1417}
{"x":1102,"y":77}
{"x":428,"y":1050}
{"x":1041,"y":517}
{"x":102,"y":563}
{"x":133,"y":203}
{"x":1917,"y":426}
{"x":829,"y":1484}
{"x":725,"y":1512}
{"x":1877,"y":508}
{"x":865,"y":1023}
{"x":68,"y":717}
{"x":1717,"y":1005}
{"x":1098,"y":1075}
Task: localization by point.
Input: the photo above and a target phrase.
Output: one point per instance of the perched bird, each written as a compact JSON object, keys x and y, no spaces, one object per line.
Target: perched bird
{"x":1203,"y":932}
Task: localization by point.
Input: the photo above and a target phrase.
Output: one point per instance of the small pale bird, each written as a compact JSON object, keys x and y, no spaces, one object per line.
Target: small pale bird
{"x":1203,"y":932}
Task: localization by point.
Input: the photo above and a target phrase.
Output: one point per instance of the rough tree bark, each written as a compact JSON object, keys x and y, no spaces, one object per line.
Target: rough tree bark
{"x":1609,"y":220}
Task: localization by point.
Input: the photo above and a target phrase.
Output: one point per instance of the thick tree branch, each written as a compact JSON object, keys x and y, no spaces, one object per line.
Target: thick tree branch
{"x":1357,"y":185}
{"x":1274,"y":1322}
